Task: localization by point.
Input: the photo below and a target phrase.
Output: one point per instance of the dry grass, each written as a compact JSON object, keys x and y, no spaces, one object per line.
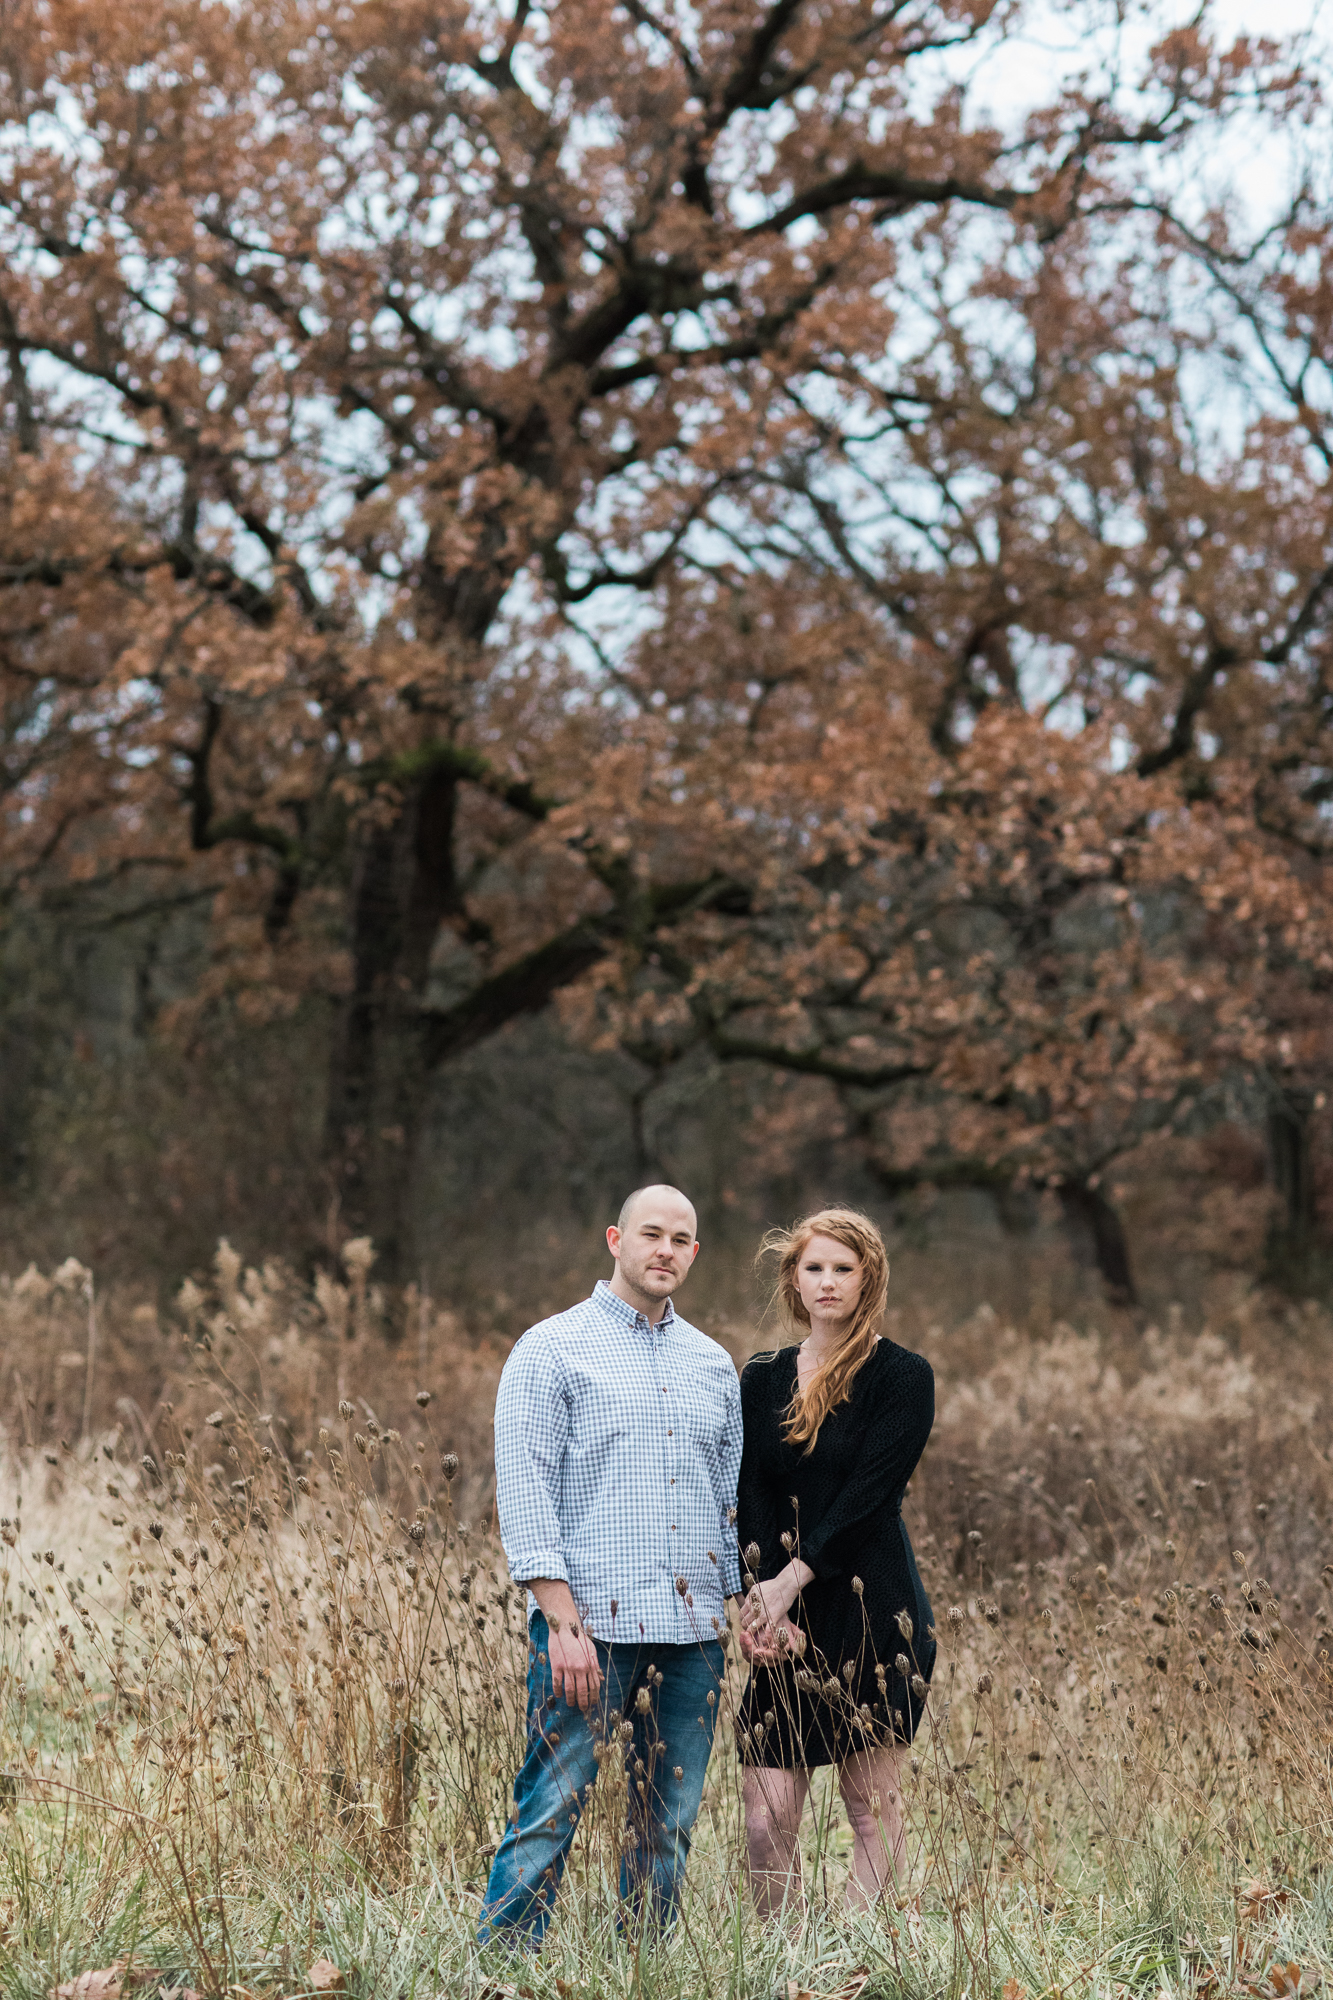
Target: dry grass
{"x":261,"y":1668}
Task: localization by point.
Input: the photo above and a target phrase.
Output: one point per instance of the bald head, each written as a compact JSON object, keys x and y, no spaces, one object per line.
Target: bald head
{"x":659,"y":1193}
{"x":654,"y":1244}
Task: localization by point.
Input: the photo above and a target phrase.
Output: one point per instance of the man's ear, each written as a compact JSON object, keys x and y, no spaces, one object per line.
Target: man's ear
{"x":613,"y":1241}
{"x":694,"y":1253}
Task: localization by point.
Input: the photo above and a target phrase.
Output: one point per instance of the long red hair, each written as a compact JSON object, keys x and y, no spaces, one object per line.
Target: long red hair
{"x":832,"y":1381}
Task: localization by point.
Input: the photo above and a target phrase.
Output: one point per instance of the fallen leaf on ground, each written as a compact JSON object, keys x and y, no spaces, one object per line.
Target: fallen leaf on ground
{"x":108,"y":1983}
{"x":1011,"y":1990}
{"x":326,"y":1977}
{"x":1284,"y":1982}
{"x":1256,"y":1898}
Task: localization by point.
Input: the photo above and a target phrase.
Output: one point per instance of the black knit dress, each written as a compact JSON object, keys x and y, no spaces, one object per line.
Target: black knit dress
{"x":840,"y":1507}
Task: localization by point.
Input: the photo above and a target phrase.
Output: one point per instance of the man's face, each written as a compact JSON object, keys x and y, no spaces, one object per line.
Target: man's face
{"x":658,"y":1243}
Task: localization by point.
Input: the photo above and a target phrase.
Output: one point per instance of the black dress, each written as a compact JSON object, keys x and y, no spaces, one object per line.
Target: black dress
{"x":840,"y":1506}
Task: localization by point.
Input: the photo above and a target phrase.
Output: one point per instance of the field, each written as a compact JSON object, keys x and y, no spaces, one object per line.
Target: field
{"x":261,"y":1667}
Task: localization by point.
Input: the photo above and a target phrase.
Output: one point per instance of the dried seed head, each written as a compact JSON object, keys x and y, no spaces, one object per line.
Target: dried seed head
{"x":398,"y":1688}
{"x":918,"y":1687}
{"x":345,"y":1411}
{"x":786,"y":1540}
{"x":858,"y":1588}
{"x":643,"y":1701}
{"x":984,"y":1684}
{"x":903,"y":1665}
{"x":423,"y":1397}
{"x":992,"y":1614}
{"x":418,"y":1531}
{"x":956,"y":1614}
{"x":359,"y":1442}
{"x":905,"y":1626}
{"x":449,"y":1465}
{"x":216,"y":1418}
{"x":753,"y":1555}
{"x":681,"y":1586}
{"x":155,"y":1530}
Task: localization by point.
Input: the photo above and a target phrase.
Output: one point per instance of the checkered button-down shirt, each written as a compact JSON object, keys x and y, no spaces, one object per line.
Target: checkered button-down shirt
{"x":617,"y":1446}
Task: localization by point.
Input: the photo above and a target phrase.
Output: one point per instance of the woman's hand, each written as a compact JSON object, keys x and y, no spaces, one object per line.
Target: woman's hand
{"x":767,"y":1604}
{"x":784,"y":1640}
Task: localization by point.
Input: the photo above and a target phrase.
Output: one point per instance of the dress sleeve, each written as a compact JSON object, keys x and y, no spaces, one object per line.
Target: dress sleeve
{"x":531,"y":1435}
{"x":756,"y":1502}
{"x":895,"y":1440}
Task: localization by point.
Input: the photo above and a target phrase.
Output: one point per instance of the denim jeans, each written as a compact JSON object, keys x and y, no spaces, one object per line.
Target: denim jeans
{"x":665,"y":1752}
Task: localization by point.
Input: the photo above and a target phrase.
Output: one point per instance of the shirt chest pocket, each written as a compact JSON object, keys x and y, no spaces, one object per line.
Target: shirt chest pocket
{"x":607,"y":1416}
{"x":694,"y":1415}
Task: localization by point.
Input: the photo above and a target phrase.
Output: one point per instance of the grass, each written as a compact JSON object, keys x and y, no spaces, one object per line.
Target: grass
{"x":261,"y":1672}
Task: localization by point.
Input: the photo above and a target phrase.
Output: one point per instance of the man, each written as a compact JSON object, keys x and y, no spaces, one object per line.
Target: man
{"x":617,"y":1446}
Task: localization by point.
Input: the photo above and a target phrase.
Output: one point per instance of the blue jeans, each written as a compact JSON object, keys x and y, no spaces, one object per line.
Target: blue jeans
{"x":665,"y":1752}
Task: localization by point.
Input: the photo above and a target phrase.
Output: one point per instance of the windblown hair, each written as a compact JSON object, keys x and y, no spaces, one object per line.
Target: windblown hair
{"x":832,"y":1383}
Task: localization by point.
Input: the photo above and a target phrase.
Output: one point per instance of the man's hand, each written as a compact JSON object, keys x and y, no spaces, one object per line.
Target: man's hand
{"x":575,"y":1671}
{"x":574,"y":1667}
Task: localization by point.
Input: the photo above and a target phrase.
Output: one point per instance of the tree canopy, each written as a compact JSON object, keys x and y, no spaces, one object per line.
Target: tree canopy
{"x":669,"y":506}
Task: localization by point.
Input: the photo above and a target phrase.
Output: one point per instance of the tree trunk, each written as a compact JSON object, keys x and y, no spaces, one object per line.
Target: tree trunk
{"x":1089,"y":1213}
{"x":1291,"y":1240}
{"x":403,"y":890}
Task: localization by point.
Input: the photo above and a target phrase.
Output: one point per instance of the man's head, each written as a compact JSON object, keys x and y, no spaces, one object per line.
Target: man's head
{"x":654,"y":1243}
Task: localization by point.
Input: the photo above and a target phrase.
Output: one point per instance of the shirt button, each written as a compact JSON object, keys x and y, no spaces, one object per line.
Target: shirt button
{"x":673,"y":1482}
{"x":671,"y":1433}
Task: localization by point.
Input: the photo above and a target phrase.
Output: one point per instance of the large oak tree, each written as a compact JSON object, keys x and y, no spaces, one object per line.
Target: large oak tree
{"x":359,"y":354}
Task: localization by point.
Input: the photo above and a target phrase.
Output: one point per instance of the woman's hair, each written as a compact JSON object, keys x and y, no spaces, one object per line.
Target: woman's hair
{"x":832,"y":1382}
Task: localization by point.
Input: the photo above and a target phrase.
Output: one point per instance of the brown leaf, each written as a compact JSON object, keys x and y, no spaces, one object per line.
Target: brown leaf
{"x":1256,"y":1897}
{"x":1011,"y":1990}
{"x":326,"y":1977}
{"x":106,"y":1984}
{"x":1284,"y":1982}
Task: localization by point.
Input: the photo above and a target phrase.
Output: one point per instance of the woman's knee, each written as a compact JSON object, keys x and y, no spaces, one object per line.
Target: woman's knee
{"x":772,"y":1816}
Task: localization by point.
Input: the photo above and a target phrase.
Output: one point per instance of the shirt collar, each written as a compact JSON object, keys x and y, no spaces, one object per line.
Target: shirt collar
{"x":612,"y":1302}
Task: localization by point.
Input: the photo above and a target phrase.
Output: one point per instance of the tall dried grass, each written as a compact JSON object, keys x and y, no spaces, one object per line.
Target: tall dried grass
{"x":261,"y":1667}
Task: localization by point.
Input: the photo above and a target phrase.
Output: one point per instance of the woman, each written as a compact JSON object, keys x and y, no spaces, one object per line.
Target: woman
{"x":836,"y":1624}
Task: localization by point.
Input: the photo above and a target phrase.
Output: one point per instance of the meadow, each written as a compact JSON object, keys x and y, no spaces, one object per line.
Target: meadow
{"x":261,"y":1666}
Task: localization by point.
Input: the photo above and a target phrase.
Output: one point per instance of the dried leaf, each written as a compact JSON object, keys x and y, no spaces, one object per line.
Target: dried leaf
{"x":1284,"y":1982}
{"x":106,"y":1984}
{"x":326,"y":1977}
{"x":1011,"y":1990}
{"x":1256,"y":1898}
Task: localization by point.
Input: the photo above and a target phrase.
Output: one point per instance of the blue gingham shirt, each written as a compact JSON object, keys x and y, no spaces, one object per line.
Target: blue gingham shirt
{"x":617,"y":1446}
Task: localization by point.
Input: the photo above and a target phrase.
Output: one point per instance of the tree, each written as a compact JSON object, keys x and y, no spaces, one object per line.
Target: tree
{"x":357,"y":355}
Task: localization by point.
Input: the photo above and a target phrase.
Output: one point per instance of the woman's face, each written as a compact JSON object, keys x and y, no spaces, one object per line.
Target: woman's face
{"x":829,"y":1278}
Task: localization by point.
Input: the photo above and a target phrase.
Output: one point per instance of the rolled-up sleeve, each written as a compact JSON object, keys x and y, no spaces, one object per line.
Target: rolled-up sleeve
{"x":531,"y":1436}
{"x":729,"y":1466}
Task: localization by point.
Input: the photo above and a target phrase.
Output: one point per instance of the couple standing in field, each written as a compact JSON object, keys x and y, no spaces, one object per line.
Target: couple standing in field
{"x":640,"y":1487}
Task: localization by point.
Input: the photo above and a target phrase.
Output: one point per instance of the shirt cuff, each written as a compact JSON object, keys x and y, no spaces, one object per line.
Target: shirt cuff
{"x":731,"y":1574}
{"x":537,"y":1565}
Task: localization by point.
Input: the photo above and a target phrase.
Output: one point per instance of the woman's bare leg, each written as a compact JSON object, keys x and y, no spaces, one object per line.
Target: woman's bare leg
{"x":872,"y":1794}
{"x":774,"y":1802}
